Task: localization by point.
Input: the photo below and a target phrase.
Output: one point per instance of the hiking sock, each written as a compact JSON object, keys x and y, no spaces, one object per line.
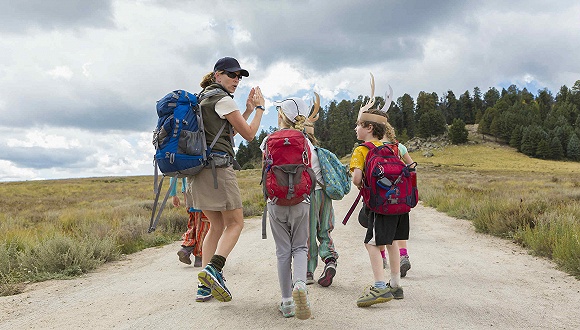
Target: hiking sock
{"x":380,"y":284}
{"x":218,"y":262}
{"x":402,"y":252}
{"x":384,"y":255}
{"x":395,"y":280}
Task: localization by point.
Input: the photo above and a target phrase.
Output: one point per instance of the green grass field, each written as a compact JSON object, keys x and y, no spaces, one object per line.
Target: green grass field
{"x":63,"y":228}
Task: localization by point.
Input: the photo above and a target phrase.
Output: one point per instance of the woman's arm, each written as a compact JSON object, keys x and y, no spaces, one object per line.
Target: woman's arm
{"x":238,"y":120}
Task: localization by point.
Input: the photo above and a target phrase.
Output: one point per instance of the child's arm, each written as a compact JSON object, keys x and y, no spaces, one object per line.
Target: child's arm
{"x":357,"y":177}
{"x":408,"y":160}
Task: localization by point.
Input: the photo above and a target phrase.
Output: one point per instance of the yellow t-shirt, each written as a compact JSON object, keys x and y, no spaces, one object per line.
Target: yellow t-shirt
{"x":359,"y":155}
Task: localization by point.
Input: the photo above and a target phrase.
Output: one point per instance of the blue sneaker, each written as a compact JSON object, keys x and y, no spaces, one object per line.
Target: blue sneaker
{"x":215,"y":280}
{"x":203,"y":293}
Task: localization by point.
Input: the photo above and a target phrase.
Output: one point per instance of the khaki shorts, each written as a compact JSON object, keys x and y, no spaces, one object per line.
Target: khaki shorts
{"x":226,"y":197}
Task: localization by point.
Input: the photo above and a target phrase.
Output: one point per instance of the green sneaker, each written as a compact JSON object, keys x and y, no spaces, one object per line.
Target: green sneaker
{"x":374,"y":296}
{"x":288,"y":309}
{"x":397,"y":292}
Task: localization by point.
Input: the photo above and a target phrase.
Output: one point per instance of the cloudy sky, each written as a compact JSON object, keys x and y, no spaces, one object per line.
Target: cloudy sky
{"x":79,"y":79}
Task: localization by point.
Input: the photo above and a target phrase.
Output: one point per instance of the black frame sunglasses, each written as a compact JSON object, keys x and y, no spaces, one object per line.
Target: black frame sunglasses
{"x":233,"y":75}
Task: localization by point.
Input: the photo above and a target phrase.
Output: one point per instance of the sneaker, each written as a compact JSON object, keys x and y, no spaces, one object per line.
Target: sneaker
{"x":385,"y":263}
{"x":374,"y":296}
{"x":184,"y":254}
{"x":288,"y":308}
{"x":215,"y":280}
{"x":203,"y":293}
{"x":197,"y":262}
{"x":397,"y":292}
{"x":405,"y":265}
{"x":300,"y":295}
{"x":328,"y":274}
{"x":309,"y":278}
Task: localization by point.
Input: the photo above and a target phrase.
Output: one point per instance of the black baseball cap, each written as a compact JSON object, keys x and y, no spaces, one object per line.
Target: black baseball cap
{"x":229,"y":64}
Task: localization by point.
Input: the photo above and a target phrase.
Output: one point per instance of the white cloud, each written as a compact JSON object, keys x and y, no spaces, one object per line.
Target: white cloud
{"x":62,"y":71}
{"x":10,"y":172}
{"x":78,"y":85}
{"x":86,"y":71}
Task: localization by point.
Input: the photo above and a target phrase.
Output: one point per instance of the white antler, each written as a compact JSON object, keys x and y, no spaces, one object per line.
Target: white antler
{"x":388,"y":100}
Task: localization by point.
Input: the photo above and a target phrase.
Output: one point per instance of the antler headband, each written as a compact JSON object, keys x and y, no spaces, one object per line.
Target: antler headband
{"x":372,"y":117}
{"x":314,"y":115}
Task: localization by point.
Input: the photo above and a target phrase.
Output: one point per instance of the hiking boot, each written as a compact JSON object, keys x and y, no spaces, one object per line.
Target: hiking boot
{"x":215,"y":280}
{"x":309,"y":278}
{"x":197,"y":262}
{"x":288,"y":309}
{"x":405,"y":265}
{"x":397,"y":292}
{"x":374,"y":296}
{"x":300,"y":295}
{"x":184,"y":254}
{"x":203,"y":293}
{"x":328,"y":273}
{"x":385,"y":263}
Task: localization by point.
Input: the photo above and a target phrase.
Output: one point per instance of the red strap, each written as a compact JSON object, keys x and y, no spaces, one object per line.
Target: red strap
{"x":348,"y":214}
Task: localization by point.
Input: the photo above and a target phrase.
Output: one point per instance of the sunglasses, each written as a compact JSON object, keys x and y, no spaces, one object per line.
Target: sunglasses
{"x":233,"y":75}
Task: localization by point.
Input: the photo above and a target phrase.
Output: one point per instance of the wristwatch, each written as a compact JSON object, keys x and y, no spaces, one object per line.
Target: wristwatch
{"x":260,"y":107}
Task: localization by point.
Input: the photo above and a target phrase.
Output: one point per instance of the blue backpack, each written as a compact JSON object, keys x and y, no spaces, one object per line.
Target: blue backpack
{"x":335,"y":174}
{"x":179,"y":137}
{"x":179,"y":140}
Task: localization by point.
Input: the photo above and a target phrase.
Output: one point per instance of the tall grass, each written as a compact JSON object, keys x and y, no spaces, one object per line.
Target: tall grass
{"x":533,"y":202}
{"x":63,"y":228}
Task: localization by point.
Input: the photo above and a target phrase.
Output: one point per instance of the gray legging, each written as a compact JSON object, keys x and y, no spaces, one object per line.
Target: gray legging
{"x":289,"y":226}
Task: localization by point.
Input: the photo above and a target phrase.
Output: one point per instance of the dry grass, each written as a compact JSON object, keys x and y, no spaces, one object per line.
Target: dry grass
{"x":504,"y":193}
{"x":62,"y":228}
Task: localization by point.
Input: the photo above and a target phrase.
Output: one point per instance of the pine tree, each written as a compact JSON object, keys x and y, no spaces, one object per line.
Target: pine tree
{"x":573,"y":151}
{"x":457,"y":132}
{"x":556,"y":147}
{"x":527,"y":147}
{"x":516,"y":138}
{"x":543,"y":150}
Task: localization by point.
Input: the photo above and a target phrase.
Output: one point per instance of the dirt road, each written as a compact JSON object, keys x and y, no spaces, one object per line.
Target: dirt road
{"x":459,"y":280}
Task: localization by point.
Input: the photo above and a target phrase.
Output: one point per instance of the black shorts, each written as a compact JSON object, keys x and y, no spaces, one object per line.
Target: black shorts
{"x":384,"y":229}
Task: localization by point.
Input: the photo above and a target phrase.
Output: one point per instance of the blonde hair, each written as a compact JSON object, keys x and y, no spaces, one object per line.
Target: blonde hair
{"x":287,"y":123}
{"x":207,"y":80}
{"x":311,"y":136}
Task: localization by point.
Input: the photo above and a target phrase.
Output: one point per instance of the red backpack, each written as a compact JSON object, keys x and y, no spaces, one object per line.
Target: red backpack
{"x":389,"y":186}
{"x":287,"y":175}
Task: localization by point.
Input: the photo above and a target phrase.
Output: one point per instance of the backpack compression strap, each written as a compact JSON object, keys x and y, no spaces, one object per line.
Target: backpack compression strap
{"x":155,"y":217}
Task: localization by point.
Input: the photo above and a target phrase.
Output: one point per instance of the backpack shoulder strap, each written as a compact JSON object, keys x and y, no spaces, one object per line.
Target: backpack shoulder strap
{"x":369,"y":145}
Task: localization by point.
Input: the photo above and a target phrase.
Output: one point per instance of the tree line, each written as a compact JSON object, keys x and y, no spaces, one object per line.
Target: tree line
{"x":542,"y":126}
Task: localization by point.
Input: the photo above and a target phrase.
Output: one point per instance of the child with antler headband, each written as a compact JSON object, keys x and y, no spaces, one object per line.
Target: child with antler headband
{"x":320,"y":241}
{"x":373,"y":126}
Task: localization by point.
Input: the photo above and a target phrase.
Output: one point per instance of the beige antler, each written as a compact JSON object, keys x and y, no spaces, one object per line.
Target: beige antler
{"x":371,"y":100}
{"x":309,"y":124}
{"x":372,"y":117}
{"x":314,"y":115}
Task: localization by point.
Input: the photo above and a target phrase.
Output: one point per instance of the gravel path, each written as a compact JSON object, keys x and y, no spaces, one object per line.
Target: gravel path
{"x":459,"y":280}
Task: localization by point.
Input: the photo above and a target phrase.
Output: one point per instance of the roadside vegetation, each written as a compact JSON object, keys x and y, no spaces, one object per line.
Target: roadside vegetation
{"x":63,"y":228}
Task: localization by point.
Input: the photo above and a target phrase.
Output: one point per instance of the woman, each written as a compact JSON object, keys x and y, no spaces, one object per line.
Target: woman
{"x":220,"y":200}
